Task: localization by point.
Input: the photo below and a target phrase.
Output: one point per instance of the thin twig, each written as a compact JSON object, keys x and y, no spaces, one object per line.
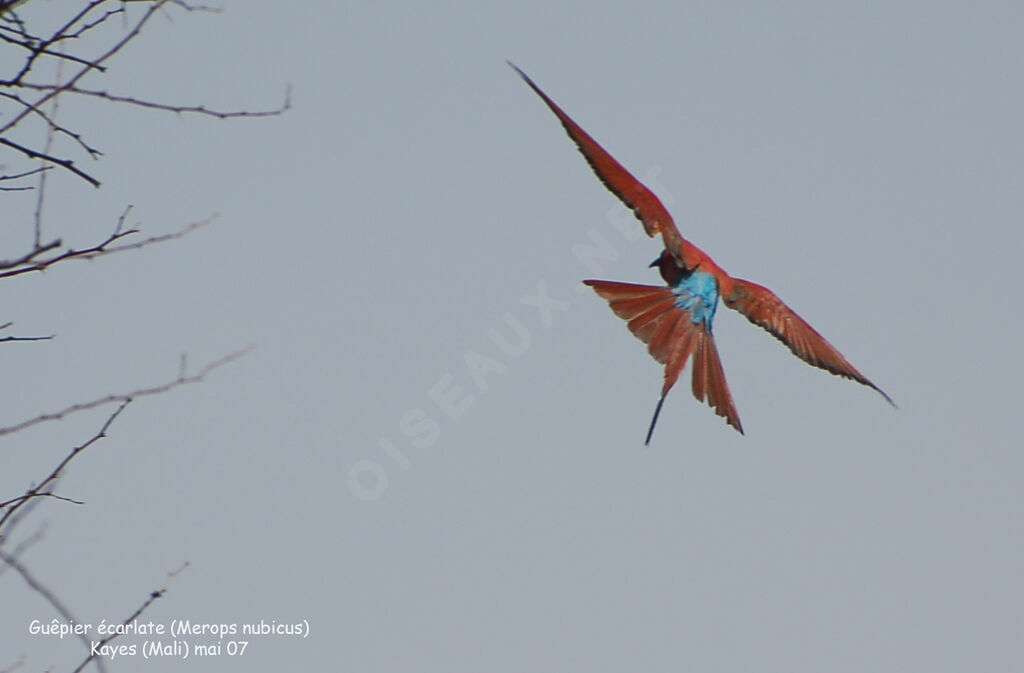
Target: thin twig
{"x":126,"y":397}
{"x":28,"y":262}
{"x":45,"y":592}
{"x":16,"y":119}
{"x":41,"y":194}
{"x":23,"y":498}
{"x":14,"y":504}
{"x":29,"y":256}
{"x":153,"y":597}
{"x":63,"y":163}
{"x":166,"y":107}
{"x":89,"y":16}
{"x":24,"y":174}
{"x":28,"y":542}
{"x":21,"y":338}
{"x":52,"y":124}
{"x":115,"y":48}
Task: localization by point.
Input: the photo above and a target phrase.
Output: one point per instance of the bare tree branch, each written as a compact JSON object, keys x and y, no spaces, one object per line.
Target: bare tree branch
{"x":14,"y":504}
{"x":21,"y":338}
{"x":29,"y":256}
{"x":153,"y":597}
{"x":7,"y":5}
{"x":126,"y":397}
{"x":52,"y":124}
{"x":167,"y":107}
{"x":29,"y":541}
{"x":29,"y":263}
{"x":90,"y":16}
{"x":24,"y":498}
{"x":81,"y":44}
{"x":64,"y":163}
{"x":19,"y":176}
{"x":41,"y":192}
{"x":46,"y":593}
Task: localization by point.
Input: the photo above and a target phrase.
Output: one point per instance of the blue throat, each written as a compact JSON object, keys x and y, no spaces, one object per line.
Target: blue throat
{"x":697,"y":293}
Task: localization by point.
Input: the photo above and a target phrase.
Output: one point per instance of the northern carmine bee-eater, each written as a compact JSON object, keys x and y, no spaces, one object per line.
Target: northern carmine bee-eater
{"x":675,"y":320}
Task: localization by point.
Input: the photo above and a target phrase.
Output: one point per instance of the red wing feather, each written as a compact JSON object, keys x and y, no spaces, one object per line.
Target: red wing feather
{"x":647,"y":309}
{"x":763,"y":308}
{"x":642,"y":201}
{"x":671,"y":337}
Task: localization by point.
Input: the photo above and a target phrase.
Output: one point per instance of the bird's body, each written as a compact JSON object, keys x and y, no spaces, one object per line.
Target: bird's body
{"x":675,"y":320}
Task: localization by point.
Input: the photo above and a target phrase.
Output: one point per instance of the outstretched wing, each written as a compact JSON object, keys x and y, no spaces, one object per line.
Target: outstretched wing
{"x":762,"y":307}
{"x":671,"y":336}
{"x":642,"y":201}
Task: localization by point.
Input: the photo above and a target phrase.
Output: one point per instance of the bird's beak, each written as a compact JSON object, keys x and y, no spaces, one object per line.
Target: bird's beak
{"x":654,"y":263}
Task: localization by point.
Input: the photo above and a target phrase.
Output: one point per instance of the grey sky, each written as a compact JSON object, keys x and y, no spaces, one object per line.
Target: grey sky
{"x":863,"y":160}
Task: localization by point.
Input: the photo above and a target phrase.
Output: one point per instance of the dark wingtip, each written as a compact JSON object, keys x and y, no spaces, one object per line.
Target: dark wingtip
{"x":654,"y":420}
{"x":518,"y":70}
{"x":547,"y":101}
{"x":883,"y":394}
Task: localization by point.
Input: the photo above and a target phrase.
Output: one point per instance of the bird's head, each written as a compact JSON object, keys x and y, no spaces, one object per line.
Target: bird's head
{"x":669,"y":268}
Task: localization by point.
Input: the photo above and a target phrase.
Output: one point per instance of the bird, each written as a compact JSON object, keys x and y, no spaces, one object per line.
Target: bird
{"x":675,"y":319}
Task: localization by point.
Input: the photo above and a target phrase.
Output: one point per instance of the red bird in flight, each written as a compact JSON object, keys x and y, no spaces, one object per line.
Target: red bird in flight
{"x":675,"y":320}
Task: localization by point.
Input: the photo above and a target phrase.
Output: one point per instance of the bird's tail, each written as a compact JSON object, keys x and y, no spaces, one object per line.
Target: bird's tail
{"x":672,"y":337}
